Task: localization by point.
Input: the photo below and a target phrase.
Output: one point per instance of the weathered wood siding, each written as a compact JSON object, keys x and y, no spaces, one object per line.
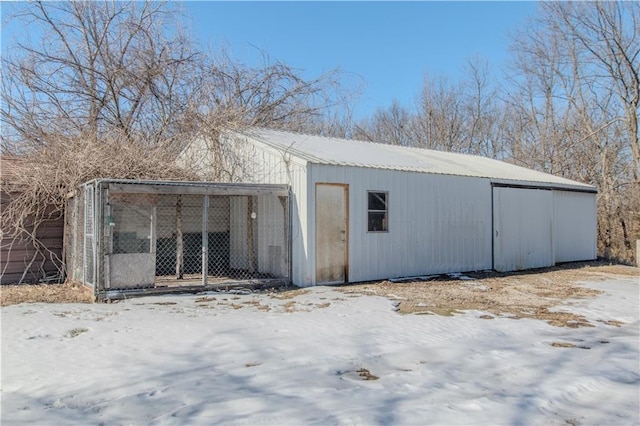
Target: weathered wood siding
{"x":20,"y":261}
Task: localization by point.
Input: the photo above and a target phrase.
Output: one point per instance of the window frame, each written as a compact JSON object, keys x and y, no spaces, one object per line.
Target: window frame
{"x":385,"y":211}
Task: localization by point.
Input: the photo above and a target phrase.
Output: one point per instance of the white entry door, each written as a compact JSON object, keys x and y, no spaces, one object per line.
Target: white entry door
{"x":331,"y":233}
{"x":522,"y":229}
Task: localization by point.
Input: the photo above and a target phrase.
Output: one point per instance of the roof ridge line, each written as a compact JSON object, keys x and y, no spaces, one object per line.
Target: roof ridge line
{"x":383,"y":144}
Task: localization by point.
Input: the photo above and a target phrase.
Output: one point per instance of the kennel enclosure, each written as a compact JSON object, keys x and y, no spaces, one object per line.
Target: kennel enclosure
{"x":127,"y":237}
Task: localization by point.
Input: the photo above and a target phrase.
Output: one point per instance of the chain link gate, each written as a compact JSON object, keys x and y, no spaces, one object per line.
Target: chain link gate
{"x":179,"y":238}
{"x":233,"y":236}
{"x":89,"y":240}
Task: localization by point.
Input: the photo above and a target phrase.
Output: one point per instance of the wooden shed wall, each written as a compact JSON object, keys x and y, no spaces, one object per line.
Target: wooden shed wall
{"x":16,"y":256}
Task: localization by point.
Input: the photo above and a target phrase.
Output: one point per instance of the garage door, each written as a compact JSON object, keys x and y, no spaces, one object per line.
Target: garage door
{"x":522,"y":228}
{"x":574,"y":226}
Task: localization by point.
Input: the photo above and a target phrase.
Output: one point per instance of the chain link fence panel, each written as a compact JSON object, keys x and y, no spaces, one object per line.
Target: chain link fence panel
{"x":166,"y":237}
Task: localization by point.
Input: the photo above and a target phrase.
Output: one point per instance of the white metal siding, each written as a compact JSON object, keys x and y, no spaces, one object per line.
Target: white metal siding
{"x":272,"y":247}
{"x":523,"y":228}
{"x":198,"y":157}
{"x":217,"y":215}
{"x":574,"y":226}
{"x":437,"y":223}
{"x":266,"y":165}
{"x":239,"y":256}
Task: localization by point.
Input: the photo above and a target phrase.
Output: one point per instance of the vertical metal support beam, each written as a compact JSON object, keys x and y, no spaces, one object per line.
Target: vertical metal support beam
{"x":289,"y":241}
{"x":493,"y":237}
{"x":97,"y":237}
{"x":152,"y":232}
{"x":83,"y":238}
{"x":68,"y":238}
{"x":286,"y":217}
{"x":89,"y":236}
{"x":205,"y":240}
{"x":108,"y":239}
{"x":85,"y":225}
{"x":179,"y":240}
{"x":251,"y":215}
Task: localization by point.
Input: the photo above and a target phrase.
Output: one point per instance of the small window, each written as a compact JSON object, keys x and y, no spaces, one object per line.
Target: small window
{"x":377,"y":212}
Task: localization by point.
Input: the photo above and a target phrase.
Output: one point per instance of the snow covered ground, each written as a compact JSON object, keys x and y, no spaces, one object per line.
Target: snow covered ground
{"x":255,"y":359}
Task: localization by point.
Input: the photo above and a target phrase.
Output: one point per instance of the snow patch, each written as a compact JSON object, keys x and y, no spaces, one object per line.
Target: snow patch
{"x":318,"y":357}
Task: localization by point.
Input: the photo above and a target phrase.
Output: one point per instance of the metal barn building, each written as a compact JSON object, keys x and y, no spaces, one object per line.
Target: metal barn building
{"x":366,"y":211}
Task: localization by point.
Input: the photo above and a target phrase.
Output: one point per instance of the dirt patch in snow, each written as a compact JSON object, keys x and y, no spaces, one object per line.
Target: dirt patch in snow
{"x":288,"y":293}
{"x":530,"y":294}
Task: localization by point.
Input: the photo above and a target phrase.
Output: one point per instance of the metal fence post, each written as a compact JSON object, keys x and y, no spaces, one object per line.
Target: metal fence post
{"x":205,"y":240}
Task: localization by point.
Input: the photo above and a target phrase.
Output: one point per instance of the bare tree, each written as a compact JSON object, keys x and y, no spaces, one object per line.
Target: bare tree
{"x":441,"y":114}
{"x":604,"y":44}
{"x":97,"y":67}
{"x":272,"y":95}
{"x":481,"y":110}
{"x":99,"y":93}
{"x":115,"y":89}
{"x":38,"y":193}
{"x":461,"y":116}
{"x":576,"y":106}
{"x":607,"y":40}
{"x":394,"y":125}
{"x":569,"y":107}
{"x":538,"y":101}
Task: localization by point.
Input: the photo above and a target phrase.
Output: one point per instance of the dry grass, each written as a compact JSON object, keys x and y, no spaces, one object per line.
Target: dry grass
{"x":289,"y":294}
{"x":530,"y":294}
{"x":69,"y":292}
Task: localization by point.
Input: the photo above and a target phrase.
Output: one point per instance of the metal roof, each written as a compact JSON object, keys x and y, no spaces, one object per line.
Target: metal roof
{"x":346,"y":152}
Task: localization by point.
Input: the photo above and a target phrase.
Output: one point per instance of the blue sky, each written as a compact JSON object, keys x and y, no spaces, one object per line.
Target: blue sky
{"x":388,"y":46}
{"x":383,"y":47}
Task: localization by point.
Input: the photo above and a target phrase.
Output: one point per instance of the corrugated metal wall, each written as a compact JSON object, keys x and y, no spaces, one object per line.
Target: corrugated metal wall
{"x":268,"y":230}
{"x":273,"y":247}
{"x":522,"y":228}
{"x":239,"y":255}
{"x":538,"y":228}
{"x":265,"y":165}
{"x":574,"y":226}
{"x":21,"y":262}
{"x":437,"y":223}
